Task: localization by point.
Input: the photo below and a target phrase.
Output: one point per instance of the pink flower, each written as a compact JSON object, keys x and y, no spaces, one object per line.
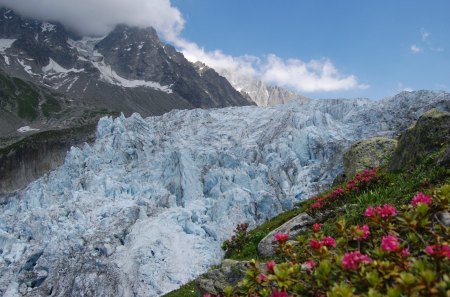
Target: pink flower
{"x":315,"y":244}
{"x":352,"y":260}
{"x":309,"y":265}
{"x":262,"y":277}
{"x":390,"y":243}
{"x":270,"y":265}
{"x":381,"y":211}
{"x":316,"y":227}
{"x":328,"y":241}
{"x":421,"y":198}
{"x":438,"y":250}
{"x":281,"y":237}
{"x":370,"y":212}
{"x":386,"y":211}
{"x":207,"y":295}
{"x":316,"y":205}
{"x":405,"y":253}
{"x":363,"y":232}
{"x":277,"y":293}
{"x":337,"y":192}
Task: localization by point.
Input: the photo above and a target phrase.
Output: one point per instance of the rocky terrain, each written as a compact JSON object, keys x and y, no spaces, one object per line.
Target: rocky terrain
{"x":146,"y":207}
{"x":53,"y":79}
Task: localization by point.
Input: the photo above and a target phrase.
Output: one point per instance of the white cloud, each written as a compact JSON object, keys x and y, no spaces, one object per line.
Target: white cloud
{"x":424,"y":34}
{"x":313,"y":76}
{"x":415,"y":49}
{"x":98,"y":17}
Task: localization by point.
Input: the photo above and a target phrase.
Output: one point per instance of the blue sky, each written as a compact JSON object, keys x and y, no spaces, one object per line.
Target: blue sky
{"x":322,"y":49}
{"x":387,"y":45}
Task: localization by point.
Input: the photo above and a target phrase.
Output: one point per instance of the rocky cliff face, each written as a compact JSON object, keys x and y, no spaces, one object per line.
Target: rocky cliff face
{"x":146,"y":207}
{"x":129,"y":70}
{"x":261,"y":93}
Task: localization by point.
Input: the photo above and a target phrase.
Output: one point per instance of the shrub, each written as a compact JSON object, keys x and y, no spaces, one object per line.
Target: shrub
{"x":236,"y":241}
{"x":401,"y":251}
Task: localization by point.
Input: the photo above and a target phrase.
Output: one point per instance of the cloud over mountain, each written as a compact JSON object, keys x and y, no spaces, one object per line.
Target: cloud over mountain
{"x":98,"y":17}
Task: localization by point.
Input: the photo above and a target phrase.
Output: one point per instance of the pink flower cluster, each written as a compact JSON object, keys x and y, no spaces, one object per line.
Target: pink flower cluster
{"x":360,"y":180}
{"x":384,"y":211}
{"x":390,"y":243}
{"x":363,"y":232}
{"x":321,"y":201}
{"x":421,"y":198}
{"x":309,"y":265}
{"x":440,"y":250}
{"x":281,"y":237}
{"x":327,"y":241}
{"x":352,"y":260}
{"x":270,"y":265}
{"x":317,"y":227}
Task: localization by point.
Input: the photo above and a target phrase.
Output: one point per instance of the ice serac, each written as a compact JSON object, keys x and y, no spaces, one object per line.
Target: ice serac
{"x":145,"y":208}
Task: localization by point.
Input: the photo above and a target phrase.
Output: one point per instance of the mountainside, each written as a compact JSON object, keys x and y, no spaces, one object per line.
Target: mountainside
{"x":261,"y":93}
{"x":146,"y":207}
{"x":129,"y":70}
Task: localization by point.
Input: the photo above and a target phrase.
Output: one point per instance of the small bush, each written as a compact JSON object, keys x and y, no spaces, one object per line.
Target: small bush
{"x":402,"y":251}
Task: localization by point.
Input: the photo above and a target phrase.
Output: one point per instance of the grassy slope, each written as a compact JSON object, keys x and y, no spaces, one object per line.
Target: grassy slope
{"x":393,"y":188}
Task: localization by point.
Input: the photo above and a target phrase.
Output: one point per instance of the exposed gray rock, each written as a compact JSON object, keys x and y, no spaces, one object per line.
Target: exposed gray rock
{"x":293,"y":227}
{"x":216,"y":280}
{"x":429,"y":136}
{"x":367,"y":153}
{"x":444,"y":218}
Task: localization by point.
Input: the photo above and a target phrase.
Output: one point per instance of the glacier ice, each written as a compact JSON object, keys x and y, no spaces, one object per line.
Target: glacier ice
{"x":146,"y":207}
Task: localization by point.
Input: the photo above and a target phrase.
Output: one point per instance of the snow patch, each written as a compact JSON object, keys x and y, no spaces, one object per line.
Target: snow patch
{"x":5,"y":44}
{"x":26,"y":67}
{"x":112,"y":77}
{"x":48,"y":27}
{"x":56,"y":68}
{"x":25,"y":129}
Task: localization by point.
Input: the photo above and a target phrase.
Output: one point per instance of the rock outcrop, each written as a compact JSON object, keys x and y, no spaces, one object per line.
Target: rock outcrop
{"x":216,"y":280}
{"x":294,"y":226}
{"x":368,"y":153}
{"x":428,"y":137}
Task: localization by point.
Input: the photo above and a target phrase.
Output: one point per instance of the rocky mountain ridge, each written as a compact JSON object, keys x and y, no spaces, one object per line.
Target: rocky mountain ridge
{"x":129,"y":70}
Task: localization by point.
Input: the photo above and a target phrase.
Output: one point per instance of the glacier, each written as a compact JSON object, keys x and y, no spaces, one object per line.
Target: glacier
{"x":146,"y":207}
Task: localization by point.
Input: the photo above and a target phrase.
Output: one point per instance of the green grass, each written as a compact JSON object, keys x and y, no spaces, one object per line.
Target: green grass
{"x":50,"y":106}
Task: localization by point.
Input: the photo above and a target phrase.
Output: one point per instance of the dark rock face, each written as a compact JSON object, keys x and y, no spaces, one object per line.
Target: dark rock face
{"x":430,"y":135}
{"x":126,"y":54}
{"x":32,"y":157}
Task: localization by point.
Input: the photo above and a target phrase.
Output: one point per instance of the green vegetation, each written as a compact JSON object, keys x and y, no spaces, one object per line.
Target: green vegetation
{"x":50,"y":106}
{"x":391,"y":188}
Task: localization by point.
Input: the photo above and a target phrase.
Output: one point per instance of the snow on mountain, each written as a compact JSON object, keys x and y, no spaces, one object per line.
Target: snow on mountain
{"x":146,"y":207}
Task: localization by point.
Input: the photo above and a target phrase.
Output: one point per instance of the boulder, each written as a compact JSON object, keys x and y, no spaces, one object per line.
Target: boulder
{"x":428,"y":137}
{"x":293,"y":227}
{"x":216,"y":280}
{"x":368,"y":153}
